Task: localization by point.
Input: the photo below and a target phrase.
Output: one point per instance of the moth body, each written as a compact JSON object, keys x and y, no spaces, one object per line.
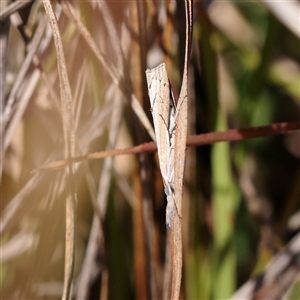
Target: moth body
{"x":163,"y":111}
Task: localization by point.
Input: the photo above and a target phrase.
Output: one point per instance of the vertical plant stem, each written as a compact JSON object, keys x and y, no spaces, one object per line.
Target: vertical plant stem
{"x":69,"y":139}
{"x":140,"y":258}
{"x":225,"y":200}
{"x":139,"y":86}
{"x":4,"y":31}
{"x":179,"y":164}
{"x":167,"y":35}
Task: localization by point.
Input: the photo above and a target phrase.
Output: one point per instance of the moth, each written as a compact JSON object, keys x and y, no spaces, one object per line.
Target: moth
{"x":163,"y":109}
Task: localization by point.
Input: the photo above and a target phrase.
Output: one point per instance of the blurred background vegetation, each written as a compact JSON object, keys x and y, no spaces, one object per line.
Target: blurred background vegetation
{"x":240,"y":198}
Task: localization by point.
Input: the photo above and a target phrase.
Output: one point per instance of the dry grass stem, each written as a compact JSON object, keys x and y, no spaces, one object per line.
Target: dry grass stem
{"x":69,"y":139}
{"x":75,"y":109}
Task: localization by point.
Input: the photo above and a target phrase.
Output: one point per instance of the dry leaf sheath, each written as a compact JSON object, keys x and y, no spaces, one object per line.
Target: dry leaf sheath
{"x":170,"y":124}
{"x":167,"y":118}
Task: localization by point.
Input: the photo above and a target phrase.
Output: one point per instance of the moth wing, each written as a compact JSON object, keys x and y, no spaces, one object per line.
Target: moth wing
{"x":159,"y":94}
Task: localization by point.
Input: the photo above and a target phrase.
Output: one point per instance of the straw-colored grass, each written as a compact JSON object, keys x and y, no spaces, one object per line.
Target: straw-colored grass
{"x":241,"y":185}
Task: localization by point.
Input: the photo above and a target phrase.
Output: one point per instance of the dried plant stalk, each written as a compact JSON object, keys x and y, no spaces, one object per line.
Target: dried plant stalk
{"x":69,"y":139}
{"x":179,"y":163}
{"x":170,"y":123}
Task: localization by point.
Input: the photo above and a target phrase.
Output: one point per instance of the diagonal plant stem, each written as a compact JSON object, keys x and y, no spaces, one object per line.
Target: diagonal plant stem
{"x":69,"y":139}
{"x":4,"y":34}
{"x":112,"y":70}
{"x":96,"y":238}
{"x":12,"y":8}
{"x":15,"y":107}
{"x":32,"y":50}
{"x":230,"y":135}
{"x":277,"y":277}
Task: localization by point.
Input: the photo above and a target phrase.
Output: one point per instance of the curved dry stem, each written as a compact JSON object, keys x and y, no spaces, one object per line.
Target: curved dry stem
{"x":69,"y":139}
